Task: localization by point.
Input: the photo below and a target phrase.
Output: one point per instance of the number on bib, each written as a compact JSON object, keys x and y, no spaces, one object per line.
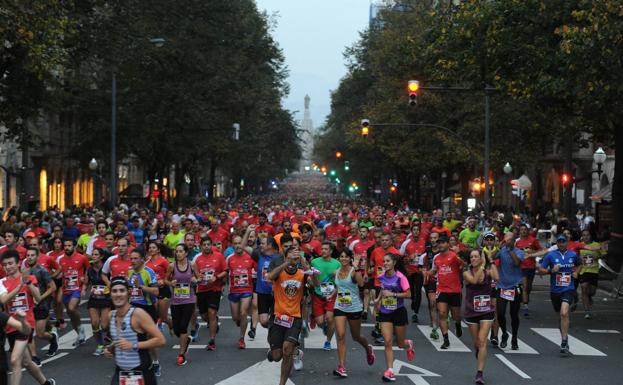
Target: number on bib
{"x":131,"y":377}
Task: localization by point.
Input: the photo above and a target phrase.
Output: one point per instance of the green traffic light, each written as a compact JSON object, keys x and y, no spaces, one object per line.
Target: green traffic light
{"x":351,"y":189}
{"x":332,"y":172}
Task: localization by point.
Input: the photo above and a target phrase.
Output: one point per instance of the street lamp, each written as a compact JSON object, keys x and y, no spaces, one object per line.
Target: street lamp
{"x":599,"y":157}
{"x":93,"y":165}
{"x":507,"y":168}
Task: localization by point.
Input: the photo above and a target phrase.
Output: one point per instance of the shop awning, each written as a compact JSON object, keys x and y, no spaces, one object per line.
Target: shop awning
{"x":604,"y":194}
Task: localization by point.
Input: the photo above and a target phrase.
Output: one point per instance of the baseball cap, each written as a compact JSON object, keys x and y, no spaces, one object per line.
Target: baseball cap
{"x":120,"y":280}
{"x":489,"y":235}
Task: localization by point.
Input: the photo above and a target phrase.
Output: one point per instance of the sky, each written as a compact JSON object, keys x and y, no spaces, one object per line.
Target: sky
{"x":313,"y":36}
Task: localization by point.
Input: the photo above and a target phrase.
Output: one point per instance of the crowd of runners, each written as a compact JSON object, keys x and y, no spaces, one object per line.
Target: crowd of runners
{"x":289,"y":264}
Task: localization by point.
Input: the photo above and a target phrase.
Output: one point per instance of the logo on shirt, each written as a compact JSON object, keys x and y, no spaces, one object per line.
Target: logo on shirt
{"x":290,"y":287}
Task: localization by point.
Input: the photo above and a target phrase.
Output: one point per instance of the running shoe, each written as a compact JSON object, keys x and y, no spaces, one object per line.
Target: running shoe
{"x":241,"y":344}
{"x":251,"y":334}
{"x":181,"y":360}
{"x":375,"y":333}
{"x":504,"y":341}
{"x":53,"y":344}
{"x":410,"y":350}
{"x":50,"y":381}
{"x":370,"y":357}
{"x":494,"y":341}
{"x":414,"y":318}
{"x":327,"y":345}
{"x":162,"y":326}
{"x":37,"y":361}
{"x":458,"y":329}
{"x":298,"y":360}
{"x":514,"y":344}
{"x":479,"y":379}
{"x":340,"y":371}
{"x":564,"y":347}
{"x":305,"y":330}
{"x":379,"y":340}
{"x":588,"y":315}
{"x":526,"y":312}
{"x":211,"y":346}
{"x":434,"y":334}
{"x":194,"y":334}
{"x":157,"y":369}
{"x":99,"y":350}
{"x":81,"y":335}
{"x":445,"y":345}
{"x":388,"y":376}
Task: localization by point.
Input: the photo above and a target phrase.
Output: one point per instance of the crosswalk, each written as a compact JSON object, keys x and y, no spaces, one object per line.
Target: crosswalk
{"x":576,"y":347}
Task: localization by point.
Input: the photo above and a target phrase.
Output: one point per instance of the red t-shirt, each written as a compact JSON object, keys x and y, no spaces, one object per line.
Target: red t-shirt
{"x":360,"y":253}
{"x":312,"y":247}
{"x":117,"y":266}
{"x":99,"y":243}
{"x":22,"y":301}
{"x":159,"y":265}
{"x":73,"y":268}
{"x":413,"y":250}
{"x":334,"y":232}
{"x":209,"y":265}
{"x":219,"y":235}
{"x":528,"y":243}
{"x":267,"y":229}
{"x":376,"y":259}
{"x":441,"y":230}
{"x":240,"y":273}
{"x":448,"y":266}
{"x":20,"y":250}
{"x":48,"y":262}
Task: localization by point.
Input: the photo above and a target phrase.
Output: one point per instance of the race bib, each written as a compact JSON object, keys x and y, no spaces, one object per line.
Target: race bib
{"x":182,"y":291}
{"x":507,"y":294}
{"x":589,"y":260}
{"x":284,"y":320}
{"x":100,"y":291}
{"x":136,"y":294}
{"x":344,"y":299}
{"x":131,"y":377}
{"x":563,"y":279}
{"x":71,"y":282}
{"x":19,"y":303}
{"x":326,"y":289}
{"x":380,"y":271}
{"x":482,"y":303}
{"x":390,"y":303}
{"x":241,"y":280}
{"x":207,"y":275}
{"x":265,"y":274}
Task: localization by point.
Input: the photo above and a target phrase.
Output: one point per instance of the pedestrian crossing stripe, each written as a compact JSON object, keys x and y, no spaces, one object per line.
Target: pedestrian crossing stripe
{"x":456,"y":345}
{"x":523,"y":347}
{"x":576,"y":347}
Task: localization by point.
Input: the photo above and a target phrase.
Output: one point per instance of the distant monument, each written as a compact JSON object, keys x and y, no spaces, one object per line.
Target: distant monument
{"x":307,"y":137}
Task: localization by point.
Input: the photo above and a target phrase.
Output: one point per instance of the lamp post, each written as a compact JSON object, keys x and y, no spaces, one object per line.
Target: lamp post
{"x":93,"y":165}
{"x":157,"y":42}
{"x":600,"y":158}
{"x":508,"y":169}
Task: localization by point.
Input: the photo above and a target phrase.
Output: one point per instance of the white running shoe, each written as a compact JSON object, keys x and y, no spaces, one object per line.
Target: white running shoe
{"x":298,"y":360}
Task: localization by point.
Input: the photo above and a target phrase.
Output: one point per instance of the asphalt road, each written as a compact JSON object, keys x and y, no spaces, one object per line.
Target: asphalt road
{"x":596,"y":344}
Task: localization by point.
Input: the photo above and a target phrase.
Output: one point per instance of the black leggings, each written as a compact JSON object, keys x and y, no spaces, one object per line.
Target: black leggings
{"x":181,"y":315}
{"x":416,"y":280}
{"x":501,"y":310}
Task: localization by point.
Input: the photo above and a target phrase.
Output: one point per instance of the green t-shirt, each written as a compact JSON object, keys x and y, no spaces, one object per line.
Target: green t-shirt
{"x":171,"y":240}
{"x":469,"y":237}
{"x":590,"y":259}
{"x":451,"y":224}
{"x":327,"y":276}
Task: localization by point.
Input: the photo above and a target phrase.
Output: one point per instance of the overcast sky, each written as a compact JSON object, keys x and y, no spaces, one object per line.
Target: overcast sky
{"x":313,"y":36}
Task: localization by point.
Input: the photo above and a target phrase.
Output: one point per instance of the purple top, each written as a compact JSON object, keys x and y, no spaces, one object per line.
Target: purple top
{"x":478,"y":298}
{"x":397,"y":283}
{"x":184,"y":291}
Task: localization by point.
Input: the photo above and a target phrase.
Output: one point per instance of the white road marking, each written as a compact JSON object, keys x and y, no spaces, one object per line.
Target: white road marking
{"x":66,"y":340}
{"x":523,"y":347}
{"x":576,"y":347}
{"x":456,"y":345}
{"x":604,"y":331}
{"x":512,"y":366}
{"x":416,"y":378}
{"x":262,"y":373}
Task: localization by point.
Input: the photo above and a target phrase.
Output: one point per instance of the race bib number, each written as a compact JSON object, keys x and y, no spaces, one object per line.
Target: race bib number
{"x":182,"y":291}
{"x":100,"y":291}
{"x":71,"y":282}
{"x":241,"y":280}
{"x":19,"y":303}
{"x":482,"y":303}
{"x":326,"y":289}
{"x":563,"y":279}
{"x":131,"y":377}
{"x":414,"y":260}
{"x":136,"y":294}
{"x":207,"y":275}
{"x":507,"y":294}
{"x":265,"y":274}
{"x":390,"y":303}
{"x":344,"y":299}
{"x":588,"y":261}
{"x":284,"y":320}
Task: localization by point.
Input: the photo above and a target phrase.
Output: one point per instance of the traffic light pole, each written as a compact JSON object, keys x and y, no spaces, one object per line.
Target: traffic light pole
{"x":487,"y":197}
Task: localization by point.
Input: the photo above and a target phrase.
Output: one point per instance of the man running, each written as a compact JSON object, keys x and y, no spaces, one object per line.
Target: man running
{"x":117,"y":265}
{"x":528,"y":244}
{"x":360,"y":249}
{"x":240,"y":266}
{"x":74,"y":267}
{"x":323,"y":298}
{"x":509,"y":287}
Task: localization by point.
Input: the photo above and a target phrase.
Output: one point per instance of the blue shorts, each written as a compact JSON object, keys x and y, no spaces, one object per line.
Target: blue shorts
{"x":236,"y":297}
{"x":69,"y":296}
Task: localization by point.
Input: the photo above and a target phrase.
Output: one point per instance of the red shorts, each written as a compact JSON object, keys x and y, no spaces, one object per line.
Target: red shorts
{"x":321,"y":305}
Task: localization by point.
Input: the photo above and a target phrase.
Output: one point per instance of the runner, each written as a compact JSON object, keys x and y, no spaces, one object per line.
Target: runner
{"x":286,"y":322}
{"x":448,"y":266}
{"x":377,"y":258}
{"x":529,"y":245}
{"x":389,"y":304}
{"x":348,"y":309}
{"x":589,"y":272}
{"x":130,"y":327}
{"x":159,"y":265}
{"x":360,"y":249}
{"x":74,"y":267}
{"x":181,"y":277}
{"x":117,"y":265}
{"x":240,"y":267}
{"x":559,"y":264}
{"x":99,"y":300}
{"x":18,"y":294}
{"x":264,"y":289}
{"x":323,"y":297}
{"x":509,"y":287}
{"x":210,"y":270}
{"x":430,"y":283}
{"x":46,"y":287}
{"x":490,"y":251}
{"x":17,"y":322}
{"x":56,"y":253}
{"x":143,"y":286}
{"x":479,"y":309}
{"x":413,"y":250}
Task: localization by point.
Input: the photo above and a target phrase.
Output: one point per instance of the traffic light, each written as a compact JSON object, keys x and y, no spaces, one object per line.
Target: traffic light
{"x":413,"y":88}
{"x":393,"y":188}
{"x":476,"y":186}
{"x":365,"y":127}
{"x":338,"y":154}
{"x":566,"y":179}
{"x":346,"y":165}
{"x":332,"y":173}
{"x":516,"y":189}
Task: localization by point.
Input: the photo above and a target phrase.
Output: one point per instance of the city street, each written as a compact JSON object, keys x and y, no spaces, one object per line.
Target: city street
{"x":596,"y":346}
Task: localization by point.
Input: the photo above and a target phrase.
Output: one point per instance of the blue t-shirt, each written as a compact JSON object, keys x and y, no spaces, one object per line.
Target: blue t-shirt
{"x":510,"y":275}
{"x":561,"y":281}
{"x":263,"y":284}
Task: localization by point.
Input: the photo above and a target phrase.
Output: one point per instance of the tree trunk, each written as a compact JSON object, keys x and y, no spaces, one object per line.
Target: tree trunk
{"x":211,"y":179}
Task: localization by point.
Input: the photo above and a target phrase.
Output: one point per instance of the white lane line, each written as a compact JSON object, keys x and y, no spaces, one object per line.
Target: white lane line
{"x":56,"y":357}
{"x":576,"y":347}
{"x":604,"y":331}
{"x":456,"y":345}
{"x":512,"y":366}
{"x":523,"y":347}
{"x":66,"y":340}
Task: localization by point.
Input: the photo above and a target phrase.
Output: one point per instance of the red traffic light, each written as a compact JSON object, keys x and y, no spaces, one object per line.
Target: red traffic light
{"x":565,"y":179}
{"x":392,"y":189}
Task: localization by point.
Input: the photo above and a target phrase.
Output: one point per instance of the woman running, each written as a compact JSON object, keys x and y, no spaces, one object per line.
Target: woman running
{"x":479,"y":310}
{"x":159,"y":265}
{"x":182,"y":279}
{"x":390,"y":306}
{"x":348,"y":307}
{"x":99,"y":301}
